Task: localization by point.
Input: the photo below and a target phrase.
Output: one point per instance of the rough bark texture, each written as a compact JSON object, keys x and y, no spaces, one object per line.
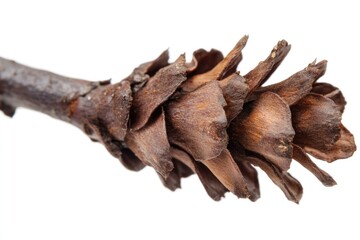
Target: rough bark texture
{"x":39,"y":90}
{"x":200,"y":118}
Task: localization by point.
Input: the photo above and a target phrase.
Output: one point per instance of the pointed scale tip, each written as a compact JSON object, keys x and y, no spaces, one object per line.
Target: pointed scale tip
{"x":181,"y":59}
{"x":242,"y":42}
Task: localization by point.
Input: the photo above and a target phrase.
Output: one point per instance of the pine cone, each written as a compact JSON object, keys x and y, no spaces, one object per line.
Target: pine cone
{"x":204,"y":117}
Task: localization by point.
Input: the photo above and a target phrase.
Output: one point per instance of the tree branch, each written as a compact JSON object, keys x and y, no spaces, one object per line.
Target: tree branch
{"x":85,"y":104}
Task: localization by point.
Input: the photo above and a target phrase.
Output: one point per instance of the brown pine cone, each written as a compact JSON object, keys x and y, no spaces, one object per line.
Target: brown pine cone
{"x":204,"y":117}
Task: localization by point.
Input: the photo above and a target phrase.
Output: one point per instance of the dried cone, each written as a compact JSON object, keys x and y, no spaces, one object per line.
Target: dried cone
{"x":203,"y":117}
{"x":223,"y":124}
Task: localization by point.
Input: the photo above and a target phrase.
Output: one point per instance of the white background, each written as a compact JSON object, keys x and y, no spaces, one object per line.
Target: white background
{"x":57,"y":184}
